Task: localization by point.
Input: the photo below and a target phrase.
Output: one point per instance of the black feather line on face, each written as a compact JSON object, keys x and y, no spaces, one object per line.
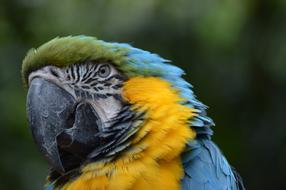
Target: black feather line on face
{"x":121,"y":126}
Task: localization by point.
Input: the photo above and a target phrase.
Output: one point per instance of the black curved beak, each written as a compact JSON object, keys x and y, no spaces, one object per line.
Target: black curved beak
{"x":64,"y":129}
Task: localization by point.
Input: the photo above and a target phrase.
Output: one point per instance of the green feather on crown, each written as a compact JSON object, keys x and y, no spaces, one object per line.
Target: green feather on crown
{"x":65,"y":51}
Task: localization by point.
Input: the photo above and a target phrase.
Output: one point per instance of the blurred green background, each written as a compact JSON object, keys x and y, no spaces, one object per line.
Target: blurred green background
{"x":234,"y":53}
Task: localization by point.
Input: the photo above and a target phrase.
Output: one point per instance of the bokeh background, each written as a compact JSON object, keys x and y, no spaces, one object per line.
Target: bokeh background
{"x":233,"y":51}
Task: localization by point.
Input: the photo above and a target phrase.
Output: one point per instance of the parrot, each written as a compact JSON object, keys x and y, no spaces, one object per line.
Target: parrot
{"x":109,"y":116}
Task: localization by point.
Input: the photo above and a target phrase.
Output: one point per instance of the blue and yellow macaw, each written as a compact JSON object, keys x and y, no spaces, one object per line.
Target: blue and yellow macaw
{"x":108,"y":116}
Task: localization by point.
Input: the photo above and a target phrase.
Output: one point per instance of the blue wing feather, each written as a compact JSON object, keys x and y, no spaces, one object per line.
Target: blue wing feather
{"x":206,"y":168}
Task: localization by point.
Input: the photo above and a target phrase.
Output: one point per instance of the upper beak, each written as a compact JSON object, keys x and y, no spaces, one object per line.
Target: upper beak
{"x":63,"y":129}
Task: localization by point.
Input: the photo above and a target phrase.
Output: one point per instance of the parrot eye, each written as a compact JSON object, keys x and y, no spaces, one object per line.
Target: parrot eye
{"x":104,"y":71}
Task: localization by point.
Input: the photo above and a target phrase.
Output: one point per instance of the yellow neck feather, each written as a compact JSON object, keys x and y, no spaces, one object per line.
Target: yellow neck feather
{"x":153,"y":161}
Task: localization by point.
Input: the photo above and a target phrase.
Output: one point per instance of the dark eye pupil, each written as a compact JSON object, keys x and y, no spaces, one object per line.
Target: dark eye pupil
{"x":104,"y":71}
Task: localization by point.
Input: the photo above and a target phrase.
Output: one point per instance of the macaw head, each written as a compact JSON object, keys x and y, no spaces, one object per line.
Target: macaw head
{"x":90,"y":100}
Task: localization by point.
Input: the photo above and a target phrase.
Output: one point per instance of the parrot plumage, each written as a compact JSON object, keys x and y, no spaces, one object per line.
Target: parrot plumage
{"x":108,"y":116}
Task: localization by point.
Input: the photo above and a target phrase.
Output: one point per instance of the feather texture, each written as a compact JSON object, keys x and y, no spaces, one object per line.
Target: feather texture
{"x":207,"y":169}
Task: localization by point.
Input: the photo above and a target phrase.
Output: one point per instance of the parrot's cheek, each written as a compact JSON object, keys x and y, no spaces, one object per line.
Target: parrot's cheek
{"x":65,"y":130}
